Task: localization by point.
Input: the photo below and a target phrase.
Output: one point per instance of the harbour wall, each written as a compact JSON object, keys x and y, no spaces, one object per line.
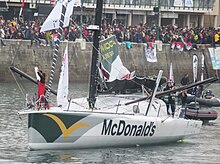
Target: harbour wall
{"x":22,"y":55}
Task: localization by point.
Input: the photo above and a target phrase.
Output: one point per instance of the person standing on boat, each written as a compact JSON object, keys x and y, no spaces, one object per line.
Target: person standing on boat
{"x":41,"y":87}
{"x":171,"y":100}
{"x":185,"y":80}
{"x":183,"y":97}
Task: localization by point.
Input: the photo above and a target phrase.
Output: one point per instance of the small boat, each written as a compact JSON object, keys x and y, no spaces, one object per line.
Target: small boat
{"x":109,"y":120}
{"x":207,"y":100}
{"x":193,"y":111}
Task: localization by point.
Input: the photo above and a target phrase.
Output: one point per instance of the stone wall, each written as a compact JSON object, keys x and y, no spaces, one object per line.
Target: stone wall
{"x":24,"y":56}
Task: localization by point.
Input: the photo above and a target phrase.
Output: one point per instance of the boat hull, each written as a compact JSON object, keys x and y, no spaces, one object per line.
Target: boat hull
{"x":201,"y":114}
{"x":69,"y":130}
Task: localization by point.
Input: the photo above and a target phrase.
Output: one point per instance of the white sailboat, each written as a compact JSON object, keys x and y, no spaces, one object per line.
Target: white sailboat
{"x":106,"y":120}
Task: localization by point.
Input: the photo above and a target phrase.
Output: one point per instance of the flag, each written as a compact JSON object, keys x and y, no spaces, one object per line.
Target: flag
{"x":188,"y":45}
{"x":188,"y":3}
{"x":52,"y":21}
{"x":22,"y":7}
{"x":202,"y":67}
{"x":173,"y":45}
{"x":171,"y":77}
{"x":178,"y":3}
{"x":150,"y":52}
{"x":63,"y":85}
{"x":195,"y":67}
{"x":180,"y":46}
{"x":111,"y":65}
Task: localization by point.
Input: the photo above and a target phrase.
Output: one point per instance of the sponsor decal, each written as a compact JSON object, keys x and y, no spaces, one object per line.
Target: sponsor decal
{"x":124,"y":129}
{"x":66,"y":131}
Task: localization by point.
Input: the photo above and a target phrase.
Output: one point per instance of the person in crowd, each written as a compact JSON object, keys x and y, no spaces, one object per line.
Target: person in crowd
{"x":187,"y":38}
{"x":171,"y":99}
{"x":36,"y":38}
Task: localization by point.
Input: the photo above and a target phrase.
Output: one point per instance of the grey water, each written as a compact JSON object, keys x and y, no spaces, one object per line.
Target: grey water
{"x":202,"y":148}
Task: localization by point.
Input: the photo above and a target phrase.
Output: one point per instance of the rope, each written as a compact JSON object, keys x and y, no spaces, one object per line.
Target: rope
{"x":101,"y":53}
{"x":17,"y":83}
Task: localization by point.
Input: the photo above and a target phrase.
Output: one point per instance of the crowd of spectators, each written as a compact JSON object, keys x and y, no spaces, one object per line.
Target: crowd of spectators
{"x":141,"y":33}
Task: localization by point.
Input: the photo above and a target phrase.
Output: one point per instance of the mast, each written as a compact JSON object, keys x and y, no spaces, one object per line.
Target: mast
{"x":56,"y":51}
{"x":95,"y":52}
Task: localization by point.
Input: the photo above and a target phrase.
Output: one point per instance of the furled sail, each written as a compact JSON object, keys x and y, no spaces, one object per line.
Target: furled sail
{"x":52,"y":21}
{"x":111,"y":64}
{"x":63,"y":85}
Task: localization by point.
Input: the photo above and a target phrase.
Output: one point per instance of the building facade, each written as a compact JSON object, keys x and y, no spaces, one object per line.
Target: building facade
{"x":191,"y":13}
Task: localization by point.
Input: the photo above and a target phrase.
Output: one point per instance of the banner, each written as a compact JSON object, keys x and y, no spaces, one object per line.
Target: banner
{"x":111,"y":65}
{"x":63,"y":85}
{"x":150,"y":52}
{"x":215,"y":57}
{"x":178,"y":3}
{"x":188,"y":3}
{"x":202,"y":67}
{"x":195,"y":67}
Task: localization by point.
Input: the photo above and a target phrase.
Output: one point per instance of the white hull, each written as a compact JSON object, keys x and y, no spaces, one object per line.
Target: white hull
{"x":82,"y":128}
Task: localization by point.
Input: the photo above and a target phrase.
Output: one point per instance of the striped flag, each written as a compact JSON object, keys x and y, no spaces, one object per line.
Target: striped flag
{"x":63,"y":85}
{"x":52,"y":21}
{"x":22,"y":7}
{"x":150,"y":52}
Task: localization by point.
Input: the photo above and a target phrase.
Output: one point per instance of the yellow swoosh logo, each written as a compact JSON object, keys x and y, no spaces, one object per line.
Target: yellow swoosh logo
{"x":66,"y":131}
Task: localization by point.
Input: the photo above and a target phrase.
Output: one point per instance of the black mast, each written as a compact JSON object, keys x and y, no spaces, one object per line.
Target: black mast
{"x":95,"y":52}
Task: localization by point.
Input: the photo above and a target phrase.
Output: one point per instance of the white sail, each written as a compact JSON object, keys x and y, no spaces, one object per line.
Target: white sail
{"x":63,"y":86}
{"x":52,"y":21}
{"x":111,"y":64}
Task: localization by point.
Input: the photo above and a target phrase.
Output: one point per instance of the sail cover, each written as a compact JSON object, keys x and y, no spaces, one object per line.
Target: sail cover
{"x":52,"y":21}
{"x":111,"y":64}
{"x":63,"y":87}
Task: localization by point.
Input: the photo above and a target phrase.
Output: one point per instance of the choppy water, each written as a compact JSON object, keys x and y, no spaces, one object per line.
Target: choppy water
{"x":203,"y":148}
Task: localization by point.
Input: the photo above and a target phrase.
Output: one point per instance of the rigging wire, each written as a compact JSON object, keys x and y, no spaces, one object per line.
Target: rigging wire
{"x":19,"y":86}
{"x":101,"y":54}
{"x":78,"y":27}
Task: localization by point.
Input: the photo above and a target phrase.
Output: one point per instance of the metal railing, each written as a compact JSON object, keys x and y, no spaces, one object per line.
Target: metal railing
{"x":196,"y":4}
{"x":164,"y":3}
